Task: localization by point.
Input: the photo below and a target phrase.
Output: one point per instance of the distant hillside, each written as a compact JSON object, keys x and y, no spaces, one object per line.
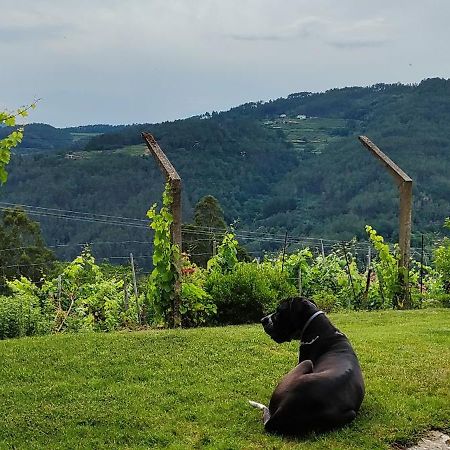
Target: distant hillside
{"x":270,"y":167}
{"x":40,"y":137}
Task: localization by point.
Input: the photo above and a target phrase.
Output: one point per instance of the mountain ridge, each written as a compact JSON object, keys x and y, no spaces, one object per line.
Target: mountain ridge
{"x":309,"y":177}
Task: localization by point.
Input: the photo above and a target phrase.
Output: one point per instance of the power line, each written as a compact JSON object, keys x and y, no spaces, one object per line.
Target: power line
{"x":254,"y":236}
{"x":69,"y":211}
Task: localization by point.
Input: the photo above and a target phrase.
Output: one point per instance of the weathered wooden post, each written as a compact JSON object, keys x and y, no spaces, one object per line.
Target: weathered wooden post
{"x":174,"y":181}
{"x":404,"y":184}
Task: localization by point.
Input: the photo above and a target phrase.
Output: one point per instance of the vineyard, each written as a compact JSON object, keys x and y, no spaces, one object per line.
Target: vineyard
{"x":84,"y":295}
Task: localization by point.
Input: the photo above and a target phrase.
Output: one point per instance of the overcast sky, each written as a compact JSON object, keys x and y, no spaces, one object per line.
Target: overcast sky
{"x":108,"y":61}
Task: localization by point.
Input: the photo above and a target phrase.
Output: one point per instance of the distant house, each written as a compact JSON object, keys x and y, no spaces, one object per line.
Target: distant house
{"x":301,"y":117}
{"x":282,"y":116}
{"x":73,"y":156}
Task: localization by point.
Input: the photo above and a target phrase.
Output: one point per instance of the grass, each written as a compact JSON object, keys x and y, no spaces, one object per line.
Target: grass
{"x":132,"y":150}
{"x":189,"y":388}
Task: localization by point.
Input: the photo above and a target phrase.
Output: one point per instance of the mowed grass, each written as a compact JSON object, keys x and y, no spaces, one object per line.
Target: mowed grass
{"x":189,"y":388}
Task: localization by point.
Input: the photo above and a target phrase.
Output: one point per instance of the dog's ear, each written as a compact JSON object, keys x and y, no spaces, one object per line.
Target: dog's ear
{"x":313,"y":302}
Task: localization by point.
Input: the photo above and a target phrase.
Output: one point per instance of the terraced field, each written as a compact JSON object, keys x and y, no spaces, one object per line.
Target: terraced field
{"x":312,"y":134}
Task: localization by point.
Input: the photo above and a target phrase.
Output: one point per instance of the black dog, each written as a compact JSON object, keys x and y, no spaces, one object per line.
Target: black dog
{"x":326,"y":388}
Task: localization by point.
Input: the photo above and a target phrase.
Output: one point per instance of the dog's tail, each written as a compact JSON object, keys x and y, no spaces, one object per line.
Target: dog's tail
{"x":257,"y":405}
{"x":265,"y":409}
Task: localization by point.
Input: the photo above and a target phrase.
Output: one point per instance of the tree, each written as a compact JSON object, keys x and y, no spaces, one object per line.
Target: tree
{"x":22,"y":249}
{"x":207,"y":230}
{"x":209,"y":214}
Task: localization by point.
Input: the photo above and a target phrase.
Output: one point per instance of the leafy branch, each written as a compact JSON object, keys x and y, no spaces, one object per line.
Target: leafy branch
{"x":13,"y":139}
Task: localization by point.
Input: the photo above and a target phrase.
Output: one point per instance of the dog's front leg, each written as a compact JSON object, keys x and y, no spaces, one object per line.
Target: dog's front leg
{"x":304,"y":367}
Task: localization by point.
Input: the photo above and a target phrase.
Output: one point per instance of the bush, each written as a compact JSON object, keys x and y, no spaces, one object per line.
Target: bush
{"x":442,"y":264}
{"x":85,"y":300}
{"x":22,"y":313}
{"x":326,"y":301}
{"x":248,"y":292}
{"x":197,"y":306}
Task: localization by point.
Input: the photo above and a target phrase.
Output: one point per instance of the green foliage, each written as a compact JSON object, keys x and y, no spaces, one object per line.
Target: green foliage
{"x":442,"y":264}
{"x":226,"y":257}
{"x":165,"y":274}
{"x":247,"y":292}
{"x":12,"y":139}
{"x":386,"y":269}
{"x":197,"y":306}
{"x":325,"y":278}
{"x":39,"y":137}
{"x":23,"y":313}
{"x":84,"y":300}
{"x":329,"y":275}
{"x":209,"y":214}
{"x":258,"y":173}
{"x":295,"y":262}
{"x":22,"y":249}
{"x":200,"y":237}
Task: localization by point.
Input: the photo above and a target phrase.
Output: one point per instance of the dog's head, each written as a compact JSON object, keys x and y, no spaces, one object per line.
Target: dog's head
{"x":288,"y":320}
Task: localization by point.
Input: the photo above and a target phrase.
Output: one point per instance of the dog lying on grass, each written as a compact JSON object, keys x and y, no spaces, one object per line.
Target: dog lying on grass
{"x":326,"y":388}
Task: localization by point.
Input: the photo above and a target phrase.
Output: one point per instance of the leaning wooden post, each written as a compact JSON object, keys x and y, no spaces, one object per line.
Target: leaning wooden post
{"x":174,"y":181}
{"x":404,"y":184}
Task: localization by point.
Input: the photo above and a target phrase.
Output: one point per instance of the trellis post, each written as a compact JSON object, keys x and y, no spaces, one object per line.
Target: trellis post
{"x":174,"y":181}
{"x":404,"y":185}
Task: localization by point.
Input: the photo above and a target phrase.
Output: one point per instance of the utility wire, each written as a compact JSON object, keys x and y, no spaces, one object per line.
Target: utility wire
{"x":255,"y":236}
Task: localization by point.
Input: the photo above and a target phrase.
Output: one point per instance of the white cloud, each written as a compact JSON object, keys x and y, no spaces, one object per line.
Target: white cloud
{"x":140,"y":60}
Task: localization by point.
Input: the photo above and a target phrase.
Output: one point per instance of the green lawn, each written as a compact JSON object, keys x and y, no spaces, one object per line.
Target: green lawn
{"x":189,"y":388}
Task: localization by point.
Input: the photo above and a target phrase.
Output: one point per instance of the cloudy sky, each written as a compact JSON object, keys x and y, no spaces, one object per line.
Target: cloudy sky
{"x":111,"y":61}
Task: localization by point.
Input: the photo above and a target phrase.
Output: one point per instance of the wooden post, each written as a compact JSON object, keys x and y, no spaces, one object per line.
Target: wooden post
{"x":300,"y":281}
{"x":369,"y":274}
{"x":125,"y":293}
{"x":421,"y":270}
{"x":59,"y":290}
{"x":350,"y":276}
{"x":135,"y":287}
{"x":174,"y":181}
{"x":404,"y":184}
{"x":284,"y":251}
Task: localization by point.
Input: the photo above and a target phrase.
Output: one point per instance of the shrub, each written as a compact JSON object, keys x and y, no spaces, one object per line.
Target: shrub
{"x":328,"y":277}
{"x":326,"y":301}
{"x":197,"y":306}
{"x":84,"y":300}
{"x":22,"y":313}
{"x":442,"y":264}
{"x":248,"y":292}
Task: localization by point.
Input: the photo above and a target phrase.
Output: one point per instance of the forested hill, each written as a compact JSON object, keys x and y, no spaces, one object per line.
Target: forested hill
{"x":269,"y":166}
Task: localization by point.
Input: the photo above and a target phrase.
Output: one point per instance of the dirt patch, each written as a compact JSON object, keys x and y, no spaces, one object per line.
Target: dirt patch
{"x":434,"y":440}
